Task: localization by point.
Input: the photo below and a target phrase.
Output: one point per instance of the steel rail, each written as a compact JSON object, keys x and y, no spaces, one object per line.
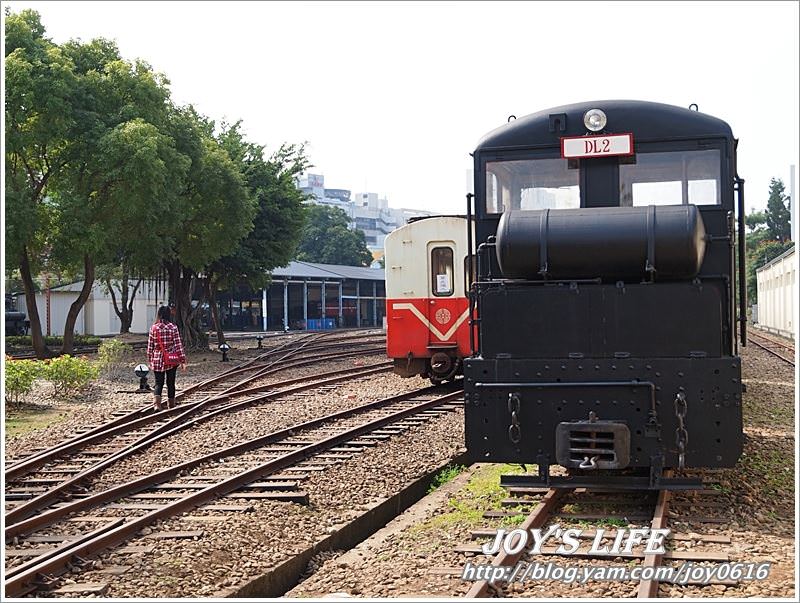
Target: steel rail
{"x":18,"y":583}
{"x":784,"y":344}
{"x":770,"y":350}
{"x":536,"y":519}
{"x":135,"y":419}
{"x":138,"y":484}
{"x":13,"y":571}
{"x":47,"y":454}
{"x":648,"y":589}
{"x":53,"y":494}
{"x":29,"y":465}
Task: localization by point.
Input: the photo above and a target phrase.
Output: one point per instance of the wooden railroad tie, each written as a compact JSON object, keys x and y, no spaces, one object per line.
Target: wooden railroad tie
{"x":295,"y":497}
{"x":93,"y":588}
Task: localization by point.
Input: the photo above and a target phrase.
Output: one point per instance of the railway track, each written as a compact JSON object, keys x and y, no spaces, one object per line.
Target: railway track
{"x":268,"y":467}
{"x":138,"y":346}
{"x":773,"y":346}
{"x":227,"y":383}
{"x":567,"y":508}
{"x":47,"y":477}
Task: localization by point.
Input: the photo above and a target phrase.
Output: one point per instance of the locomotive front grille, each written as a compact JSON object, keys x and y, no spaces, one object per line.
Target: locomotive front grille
{"x":593,"y":445}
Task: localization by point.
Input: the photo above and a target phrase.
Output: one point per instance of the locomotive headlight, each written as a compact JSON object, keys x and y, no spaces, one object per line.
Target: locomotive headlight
{"x":594,"y":120}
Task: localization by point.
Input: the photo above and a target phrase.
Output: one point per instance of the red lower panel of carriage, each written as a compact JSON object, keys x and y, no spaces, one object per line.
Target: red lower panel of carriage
{"x":422,"y":325}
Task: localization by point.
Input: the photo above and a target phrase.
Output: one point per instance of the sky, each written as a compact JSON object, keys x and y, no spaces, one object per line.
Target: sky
{"x":392,"y":97}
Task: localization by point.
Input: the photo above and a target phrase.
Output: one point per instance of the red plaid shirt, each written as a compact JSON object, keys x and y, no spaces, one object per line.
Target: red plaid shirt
{"x":168,"y":334}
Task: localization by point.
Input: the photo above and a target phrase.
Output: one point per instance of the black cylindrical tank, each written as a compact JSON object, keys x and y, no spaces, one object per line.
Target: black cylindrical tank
{"x":613,"y":243}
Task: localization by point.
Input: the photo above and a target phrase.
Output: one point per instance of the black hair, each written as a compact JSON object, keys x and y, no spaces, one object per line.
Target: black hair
{"x":164,"y":313}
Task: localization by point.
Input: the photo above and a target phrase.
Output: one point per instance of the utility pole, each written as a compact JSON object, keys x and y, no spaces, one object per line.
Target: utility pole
{"x":47,"y":301}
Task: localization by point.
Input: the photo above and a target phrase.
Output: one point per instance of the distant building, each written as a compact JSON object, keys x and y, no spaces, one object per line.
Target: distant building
{"x":305,"y":295}
{"x":302,"y":295}
{"x":367,"y":211}
{"x":777,"y":295}
{"x":97,"y":317}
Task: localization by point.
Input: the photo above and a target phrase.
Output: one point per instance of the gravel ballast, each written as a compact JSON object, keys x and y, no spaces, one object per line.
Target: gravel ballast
{"x":756,"y":501}
{"x":238,"y":547}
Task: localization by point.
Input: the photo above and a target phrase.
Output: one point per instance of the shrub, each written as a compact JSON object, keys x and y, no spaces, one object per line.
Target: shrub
{"x":19,"y":378}
{"x":112,"y":358}
{"x":26,"y":340}
{"x":69,"y":374}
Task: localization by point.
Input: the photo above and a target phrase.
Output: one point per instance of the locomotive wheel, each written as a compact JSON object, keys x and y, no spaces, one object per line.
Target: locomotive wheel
{"x":443,"y":367}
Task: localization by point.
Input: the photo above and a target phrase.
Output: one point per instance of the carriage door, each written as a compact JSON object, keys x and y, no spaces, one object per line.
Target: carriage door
{"x":441,"y":289}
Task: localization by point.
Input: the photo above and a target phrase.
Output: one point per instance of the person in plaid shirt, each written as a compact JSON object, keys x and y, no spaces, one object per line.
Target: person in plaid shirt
{"x":164,"y":354}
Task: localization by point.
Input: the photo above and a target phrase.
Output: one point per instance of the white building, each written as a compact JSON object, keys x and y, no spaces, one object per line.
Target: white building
{"x":777,"y":295}
{"x":97,"y":317}
{"x":367,"y":211}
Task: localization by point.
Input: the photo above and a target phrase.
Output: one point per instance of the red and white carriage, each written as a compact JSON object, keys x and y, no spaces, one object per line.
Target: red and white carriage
{"x":427,"y":309}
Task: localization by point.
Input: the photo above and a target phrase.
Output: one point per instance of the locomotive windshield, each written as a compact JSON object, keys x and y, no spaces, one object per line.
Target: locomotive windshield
{"x":531,"y":184}
{"x":678,"y":177}
{"x":671,"y":178}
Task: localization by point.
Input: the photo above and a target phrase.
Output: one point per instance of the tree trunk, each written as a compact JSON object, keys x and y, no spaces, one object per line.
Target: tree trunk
{"x":211,"y":294}
{"x":75,"y":307}
{"x":39,"y":346}
{"x":182,"y":283}
{"x":126,"y":326}
{"x":125,"y":314}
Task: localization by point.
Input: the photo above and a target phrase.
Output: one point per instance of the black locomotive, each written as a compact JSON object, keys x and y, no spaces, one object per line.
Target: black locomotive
{"x":604,"y":299}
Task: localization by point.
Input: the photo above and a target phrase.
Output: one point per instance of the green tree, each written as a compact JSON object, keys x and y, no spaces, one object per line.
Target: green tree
{"x":40,"y":127}
{"x":125,"y":173}
{"x":89,"y":173}
{"x":327,"y":239}
{"x":777,"y":215}
{"x":277,"y":223}
{"x":761,"y":243}
{"x":755,"y":220}
{"x":215,"y":212}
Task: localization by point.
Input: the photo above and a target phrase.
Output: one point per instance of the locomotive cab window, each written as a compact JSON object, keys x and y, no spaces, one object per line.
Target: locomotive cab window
{"x":671,"y":178}
{"x":442,"y":271}
{"x":531,"y":184}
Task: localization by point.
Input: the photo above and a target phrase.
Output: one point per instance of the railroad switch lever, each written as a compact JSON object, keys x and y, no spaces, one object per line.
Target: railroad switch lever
{"x":259,"y":338}
{"x":224,"y":347}
{"x":142,"y":371}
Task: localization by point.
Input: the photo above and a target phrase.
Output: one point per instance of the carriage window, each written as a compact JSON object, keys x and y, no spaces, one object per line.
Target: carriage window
{"x":531,"y":184}
{"x":442,"y":271}
{"x":671,"y":178}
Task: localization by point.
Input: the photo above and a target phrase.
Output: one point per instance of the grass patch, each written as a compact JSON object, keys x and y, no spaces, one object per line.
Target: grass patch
{"x":447,"y":474}
{"x":24,"y":420}
{"x":774,"y":467}
{"x":513,"y":521}
{"x":483,"y":492}
{"x":720,"y":488}
{"x":604,"y":522}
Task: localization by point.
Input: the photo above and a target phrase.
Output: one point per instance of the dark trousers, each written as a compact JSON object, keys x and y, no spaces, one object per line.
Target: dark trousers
{"x":170,"y":382}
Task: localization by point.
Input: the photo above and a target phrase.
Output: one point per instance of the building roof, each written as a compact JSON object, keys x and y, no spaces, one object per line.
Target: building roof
{"x":295,"y":269}
{"x":99,"y":289}
{"x":775,"y":260}
{"x":328,"y":271}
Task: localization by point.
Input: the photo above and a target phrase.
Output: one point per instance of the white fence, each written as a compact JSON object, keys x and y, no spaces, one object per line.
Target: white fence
{"x":777,"y":295}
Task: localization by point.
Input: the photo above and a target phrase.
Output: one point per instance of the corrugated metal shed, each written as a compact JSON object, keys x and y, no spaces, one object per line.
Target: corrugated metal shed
{"x":327,"y":271}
